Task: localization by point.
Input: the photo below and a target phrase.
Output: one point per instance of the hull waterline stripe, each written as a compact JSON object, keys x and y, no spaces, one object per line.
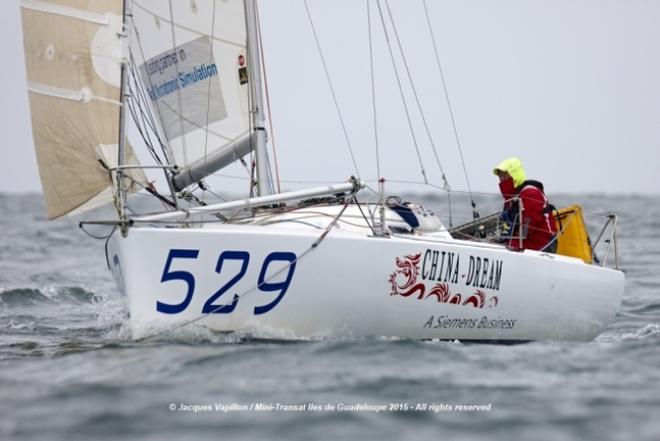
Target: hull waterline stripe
{"x":83,"y":95}
{"x":50,"y":8}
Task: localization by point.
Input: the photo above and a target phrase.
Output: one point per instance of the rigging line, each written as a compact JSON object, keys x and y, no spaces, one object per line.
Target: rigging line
{"x":152,"y":191}
{"x":270,"y":118}
{"x":373,"y":89}
{"x":332,"y":89}
{"x":178,"y":91}
{"x":395,"y":181}
{"x":285,"y":181}
{"x":245,"y":166}
{"x":373,"y":231}
{"x":82,"y":226}
{"x":251,"y":99}
{"x":142,"y":131}
{"x":255,"y":93}
{"x":166,"y":147}
{"x":451,"y":112}
{"x":199,"y":126}
{"x":140,"y":99}
{"x":208,"y":103}
{"x":141,"y":95}
{"x":143,"y":101}
{"x":271,"y":178}
{"x":415,"y":95}
{"x":447,"y":187}
{"x":142,"y":123}
{"x":208,"y":189}
{"x":190,"y":197}
{"x":272,"y":143}
{"x":143,"y":135}
{"x":138,"y":119}
{"x":249,"y":168}
{"x":403,"y":98}
{"x":373,"y":190}
{"x":400,"y":181}
{"x":186,"y":28}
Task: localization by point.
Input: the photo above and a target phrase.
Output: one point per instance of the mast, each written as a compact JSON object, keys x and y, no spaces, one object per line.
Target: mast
{"x":123,"y":95}
{"x":264,"y":186}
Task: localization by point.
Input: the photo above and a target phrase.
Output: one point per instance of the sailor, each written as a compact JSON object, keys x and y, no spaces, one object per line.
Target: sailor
{"x":539,"y":229}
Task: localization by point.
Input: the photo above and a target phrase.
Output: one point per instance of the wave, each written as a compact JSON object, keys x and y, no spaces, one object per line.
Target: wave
{"x":651,"y":330}
{"x":197,"y":333}
{"x":26,"y":297}
{"x":646,"y":310}
{"x":648,"y":332}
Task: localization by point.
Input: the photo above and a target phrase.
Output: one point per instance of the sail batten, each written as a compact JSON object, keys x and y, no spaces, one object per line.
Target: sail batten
{"x":83,"y":95}
{"x":193,"y":70}
{"x":66,"y":11}
{"x":73,"y":52}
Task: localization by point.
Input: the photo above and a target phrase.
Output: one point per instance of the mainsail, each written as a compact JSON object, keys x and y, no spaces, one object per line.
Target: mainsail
{"x":73,"y":54}
{"x":193,"y":65}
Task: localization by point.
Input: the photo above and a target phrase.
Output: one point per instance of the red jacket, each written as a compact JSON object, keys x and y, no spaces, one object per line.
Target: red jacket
{"x":537,"y":222}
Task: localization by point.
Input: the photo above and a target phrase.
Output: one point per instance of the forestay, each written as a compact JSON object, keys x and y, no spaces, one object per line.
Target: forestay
{"x":192,"y":59}
{"x":73,"y":54}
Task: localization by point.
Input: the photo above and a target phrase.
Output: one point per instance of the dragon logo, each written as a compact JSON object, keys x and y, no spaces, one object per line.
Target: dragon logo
{"x":403,"y":282}
{"x":404,"y":278}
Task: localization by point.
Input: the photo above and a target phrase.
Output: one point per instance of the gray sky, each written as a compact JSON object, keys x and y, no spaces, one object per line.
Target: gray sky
{"x":572,"y":87}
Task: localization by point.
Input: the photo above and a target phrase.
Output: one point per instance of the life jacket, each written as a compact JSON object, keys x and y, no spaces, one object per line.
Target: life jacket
{"x":549,"y":208}
{"x":537,"y":231}
{"x":531,"y":182}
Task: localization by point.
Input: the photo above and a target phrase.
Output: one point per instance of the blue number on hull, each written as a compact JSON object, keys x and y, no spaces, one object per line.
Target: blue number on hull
{"x":290,"y":258}
{"x":178,"y":275}
{"x":209,"y":307}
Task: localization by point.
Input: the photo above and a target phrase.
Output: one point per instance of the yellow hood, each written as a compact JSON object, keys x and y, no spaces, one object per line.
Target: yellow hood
{"x":514,"y":167}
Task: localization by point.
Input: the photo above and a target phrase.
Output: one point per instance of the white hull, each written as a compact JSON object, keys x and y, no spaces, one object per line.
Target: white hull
{"x":351,"y":284}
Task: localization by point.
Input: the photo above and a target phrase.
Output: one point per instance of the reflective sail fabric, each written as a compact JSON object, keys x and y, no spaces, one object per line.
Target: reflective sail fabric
{"x":192,"y":63}
{"x":72,"y":56}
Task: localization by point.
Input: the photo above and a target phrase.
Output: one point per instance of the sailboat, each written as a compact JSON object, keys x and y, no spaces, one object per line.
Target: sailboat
{"x":301,"y":264}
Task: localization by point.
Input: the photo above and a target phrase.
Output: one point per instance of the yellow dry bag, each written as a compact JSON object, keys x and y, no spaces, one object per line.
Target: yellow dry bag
{"x":573,"y":235}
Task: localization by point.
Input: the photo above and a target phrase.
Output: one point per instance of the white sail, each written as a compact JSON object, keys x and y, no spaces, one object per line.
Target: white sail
{"x":73,"y":55}
{"x":192,"y":59}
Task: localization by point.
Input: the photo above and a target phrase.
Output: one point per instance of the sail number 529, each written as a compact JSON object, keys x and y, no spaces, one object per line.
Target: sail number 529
{"x":212,"y":304}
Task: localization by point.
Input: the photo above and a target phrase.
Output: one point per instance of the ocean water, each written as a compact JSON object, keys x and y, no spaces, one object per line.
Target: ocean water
{"x":69,"y":370}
